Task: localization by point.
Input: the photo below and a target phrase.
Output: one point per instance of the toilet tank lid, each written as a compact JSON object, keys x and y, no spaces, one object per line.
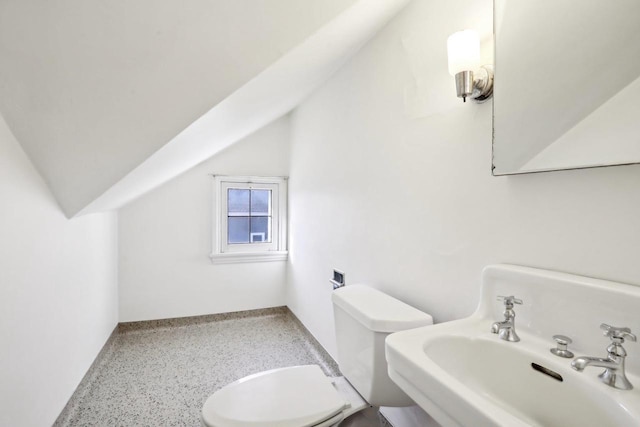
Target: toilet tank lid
{"x":378,"y":311}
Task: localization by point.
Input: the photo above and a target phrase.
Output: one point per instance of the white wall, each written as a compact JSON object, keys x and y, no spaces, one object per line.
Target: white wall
{"x":58,"y":292}
{"x":391,"y":182}
{"x":165,"y":240}
{"x":269,"y":95}
{"x":98,"y":87}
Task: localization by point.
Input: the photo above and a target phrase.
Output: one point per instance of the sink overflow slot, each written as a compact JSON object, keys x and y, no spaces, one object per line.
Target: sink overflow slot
{"x":546,"y":371}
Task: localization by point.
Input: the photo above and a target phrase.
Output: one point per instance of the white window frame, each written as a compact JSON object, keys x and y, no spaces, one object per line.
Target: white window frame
{"x":276,"y":250}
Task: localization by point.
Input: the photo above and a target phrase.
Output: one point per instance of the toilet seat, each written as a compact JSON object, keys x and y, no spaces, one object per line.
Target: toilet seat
{"x":300,"y":396}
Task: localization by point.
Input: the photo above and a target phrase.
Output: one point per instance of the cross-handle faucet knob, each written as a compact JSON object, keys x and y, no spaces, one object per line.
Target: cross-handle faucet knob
{"x":618,"y":334}
{"x":509,"y":301}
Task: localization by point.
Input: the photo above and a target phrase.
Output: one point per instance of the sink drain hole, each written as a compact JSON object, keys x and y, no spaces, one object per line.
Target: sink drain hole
{"x":546,"y":371}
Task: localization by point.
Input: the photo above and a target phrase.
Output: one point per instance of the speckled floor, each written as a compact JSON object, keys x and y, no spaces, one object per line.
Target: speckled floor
{"x":160,"y":373}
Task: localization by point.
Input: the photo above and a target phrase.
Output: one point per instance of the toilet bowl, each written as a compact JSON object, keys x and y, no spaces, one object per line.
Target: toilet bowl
{"x":299,"y":396}
{"x":302,"y":396}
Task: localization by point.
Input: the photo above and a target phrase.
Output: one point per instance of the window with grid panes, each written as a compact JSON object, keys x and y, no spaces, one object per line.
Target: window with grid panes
{"x":250,"y":219}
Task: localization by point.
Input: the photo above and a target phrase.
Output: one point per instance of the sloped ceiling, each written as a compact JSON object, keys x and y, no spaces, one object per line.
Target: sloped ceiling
{"x":96,"y":91}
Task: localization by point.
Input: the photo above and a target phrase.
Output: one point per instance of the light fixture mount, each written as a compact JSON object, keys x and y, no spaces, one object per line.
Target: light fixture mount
{"x":475,"y":85}
{"x":473,"y":81}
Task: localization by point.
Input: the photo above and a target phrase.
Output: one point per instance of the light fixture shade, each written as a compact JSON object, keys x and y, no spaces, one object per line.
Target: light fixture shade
{"x":463,"y":49}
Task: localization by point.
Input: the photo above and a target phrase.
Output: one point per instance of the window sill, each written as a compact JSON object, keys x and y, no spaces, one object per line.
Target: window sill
{"x":241,"y":257}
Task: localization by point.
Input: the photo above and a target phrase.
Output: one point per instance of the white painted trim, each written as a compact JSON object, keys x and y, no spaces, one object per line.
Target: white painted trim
{"x":275,"y":251}
{"x":240,"y":257}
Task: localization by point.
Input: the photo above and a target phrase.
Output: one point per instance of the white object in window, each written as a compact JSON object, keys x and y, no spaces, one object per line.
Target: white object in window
{"x":251,"y":219}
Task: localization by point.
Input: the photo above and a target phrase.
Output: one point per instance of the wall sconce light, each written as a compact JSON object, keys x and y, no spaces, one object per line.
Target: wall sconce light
{"x":472,"y":80}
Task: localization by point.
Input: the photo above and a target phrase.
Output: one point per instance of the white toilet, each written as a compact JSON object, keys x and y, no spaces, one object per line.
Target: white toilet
{"x":302,"y":396}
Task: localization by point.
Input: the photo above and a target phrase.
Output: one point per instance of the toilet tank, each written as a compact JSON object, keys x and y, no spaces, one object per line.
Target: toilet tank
{"x":364,"y":317}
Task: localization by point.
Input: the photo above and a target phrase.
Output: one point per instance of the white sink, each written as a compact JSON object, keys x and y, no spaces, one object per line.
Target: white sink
{"x":463,"y":375}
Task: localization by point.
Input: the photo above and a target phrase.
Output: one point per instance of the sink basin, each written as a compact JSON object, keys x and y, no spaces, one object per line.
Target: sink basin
{"x":463,"y":375}
{"x":508,"y":379}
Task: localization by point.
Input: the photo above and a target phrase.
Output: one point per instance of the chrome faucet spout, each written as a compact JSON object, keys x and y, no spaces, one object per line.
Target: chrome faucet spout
{"x":495,"y":328}
{"x":614,"y":372}
{"x":579,"y":363}
{"x":506,"y":329}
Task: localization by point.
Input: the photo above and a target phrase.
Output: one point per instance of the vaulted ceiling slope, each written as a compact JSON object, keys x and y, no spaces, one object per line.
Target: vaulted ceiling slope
{"x":112,"y":98}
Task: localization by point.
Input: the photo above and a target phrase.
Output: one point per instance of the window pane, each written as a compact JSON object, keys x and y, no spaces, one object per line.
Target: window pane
{"x":260,"y":202}
{"x":238,"y":202}
{"x":238,"y":229}
{"x":260,"y":229}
